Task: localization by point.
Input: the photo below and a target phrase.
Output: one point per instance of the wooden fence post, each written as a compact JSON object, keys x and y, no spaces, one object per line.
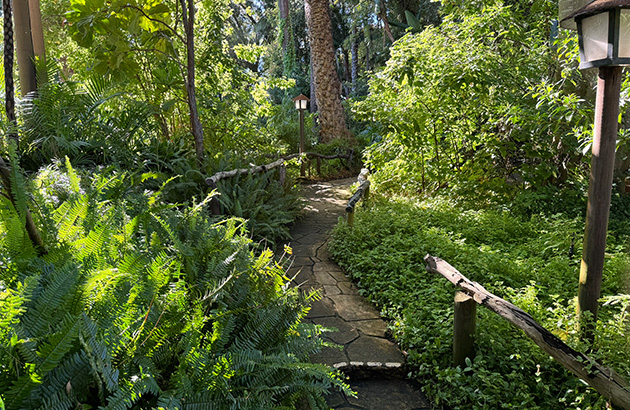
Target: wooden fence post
{"x":319,"y":166}
{"x":282,"y":175}
{"x":215,"y":206}
{"x":464,"y":324}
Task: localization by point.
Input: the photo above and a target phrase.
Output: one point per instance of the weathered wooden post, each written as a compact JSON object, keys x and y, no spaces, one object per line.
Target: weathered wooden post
{"x":362,"y":192}
{"x":282,"y":174}
{"x":351,"y":218}
{"x":603,"y":32}
{"x":319,"y":166}
{"x":215,"y":206}
{"x":464,"y":325}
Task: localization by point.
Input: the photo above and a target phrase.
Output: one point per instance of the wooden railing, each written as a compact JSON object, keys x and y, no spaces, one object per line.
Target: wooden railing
{"x":363,"y":191}
{"x":605,"y":380}
{"x":215,"y":207}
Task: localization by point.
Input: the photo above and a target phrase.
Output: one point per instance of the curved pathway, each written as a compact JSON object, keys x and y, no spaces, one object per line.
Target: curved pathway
{"x":374,"y":363}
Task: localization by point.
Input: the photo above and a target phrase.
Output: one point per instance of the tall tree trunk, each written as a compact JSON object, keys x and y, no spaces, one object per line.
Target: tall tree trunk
{"x":328,"y":87}
{"x":188,"y":19}
{"x":9,"y":93}
{"x":307,"y":17}
{"x":367,"y":40}
{"x":37,"y":36}
{"x":25,"y":54}
{"x":355,"y":60}
{"x":288,"y":46}
{"x":9,"y":87}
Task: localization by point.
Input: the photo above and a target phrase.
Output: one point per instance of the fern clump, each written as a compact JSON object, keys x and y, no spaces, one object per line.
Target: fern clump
{"x":139,"y":304}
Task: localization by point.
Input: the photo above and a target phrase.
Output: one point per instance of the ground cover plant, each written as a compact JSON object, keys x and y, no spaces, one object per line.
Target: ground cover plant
{"x":524,"y":260}
{"x":139,"y":303}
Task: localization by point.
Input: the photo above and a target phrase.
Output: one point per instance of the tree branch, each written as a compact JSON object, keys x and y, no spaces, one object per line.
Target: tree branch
{"x":129,"y":6}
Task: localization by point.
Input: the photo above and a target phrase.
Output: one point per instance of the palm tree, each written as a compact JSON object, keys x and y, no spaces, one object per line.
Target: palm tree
{"x":327,"y":85}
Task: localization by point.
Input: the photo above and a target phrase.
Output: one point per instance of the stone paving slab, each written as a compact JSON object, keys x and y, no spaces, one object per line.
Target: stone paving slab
{"x":374,"y":363}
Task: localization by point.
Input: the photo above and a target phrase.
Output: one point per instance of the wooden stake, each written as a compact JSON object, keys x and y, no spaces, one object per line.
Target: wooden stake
{"x":464,"y":325}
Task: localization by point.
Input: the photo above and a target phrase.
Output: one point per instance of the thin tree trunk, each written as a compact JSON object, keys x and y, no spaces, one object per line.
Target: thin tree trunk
{"x":283,"y":6}
{"x":367,"y":40}
{"x":188,"y":19}
{"x":355,"y":60}
{"x":9,"y":86}
{"x":25,"y":54}
{"x":382,"y":14}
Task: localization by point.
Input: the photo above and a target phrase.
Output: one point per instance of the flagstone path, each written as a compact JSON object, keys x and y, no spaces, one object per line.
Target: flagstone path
{"x":374,"y":364}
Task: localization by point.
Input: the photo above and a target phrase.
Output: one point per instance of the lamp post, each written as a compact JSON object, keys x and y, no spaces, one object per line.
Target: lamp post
{"x":604,"y":36}
{"x":301,"y":102}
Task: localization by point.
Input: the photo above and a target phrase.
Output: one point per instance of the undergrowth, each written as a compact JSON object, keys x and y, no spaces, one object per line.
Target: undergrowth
{"x":526,"y":261}
{"x":143,"y":304}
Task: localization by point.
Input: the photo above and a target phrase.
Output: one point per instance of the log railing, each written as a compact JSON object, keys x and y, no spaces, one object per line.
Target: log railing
{"x":605,"y":380}
{"x":363,"y":191}
{"x":215,"y":207}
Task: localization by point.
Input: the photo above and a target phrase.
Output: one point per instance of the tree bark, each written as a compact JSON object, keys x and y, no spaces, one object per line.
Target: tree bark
{"x":606,"y":381}
{"x":188,"y":19}
{"x":313,"y":96}
{"x":328,"y":87}
{"x":288,"y":46}
{"x":25,"y":54}
{"x":9,"y":86}
{"x":355,"y":60}
{"x":37,"y":37}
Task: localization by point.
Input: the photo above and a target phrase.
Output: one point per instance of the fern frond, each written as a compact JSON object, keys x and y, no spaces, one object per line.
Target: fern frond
{"x":75,"y":182}
{"x":69,"y":215}
{"x":18,"y":185}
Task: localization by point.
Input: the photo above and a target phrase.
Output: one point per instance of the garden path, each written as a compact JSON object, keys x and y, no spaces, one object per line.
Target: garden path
{"x":374,"y":364}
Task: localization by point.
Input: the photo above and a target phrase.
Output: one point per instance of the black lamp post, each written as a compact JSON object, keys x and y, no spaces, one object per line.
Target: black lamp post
{"x":301,"y":102}
{"x":604,"y":35}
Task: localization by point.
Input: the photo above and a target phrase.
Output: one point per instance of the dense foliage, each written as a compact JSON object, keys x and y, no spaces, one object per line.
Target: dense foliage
{"x":140,"y":304}
{"x":526,"y":261}
{"x":488,"y":97}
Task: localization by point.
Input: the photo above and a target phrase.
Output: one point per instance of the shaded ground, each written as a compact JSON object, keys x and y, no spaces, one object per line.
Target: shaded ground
{"x":374,"y":363}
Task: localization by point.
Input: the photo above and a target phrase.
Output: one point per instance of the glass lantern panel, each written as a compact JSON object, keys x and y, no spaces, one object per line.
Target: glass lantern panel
{"x":595,"y":37}
{"x":303,"y":104}
{"x":624,"y":34}
{"x":297,"y":104}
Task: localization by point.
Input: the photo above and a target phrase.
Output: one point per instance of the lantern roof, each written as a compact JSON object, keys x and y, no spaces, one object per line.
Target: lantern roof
{"x":599,"y":6}
{"x":305,"y":98}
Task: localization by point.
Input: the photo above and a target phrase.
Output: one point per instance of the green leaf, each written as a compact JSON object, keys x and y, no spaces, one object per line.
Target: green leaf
{"x":413,"y":22}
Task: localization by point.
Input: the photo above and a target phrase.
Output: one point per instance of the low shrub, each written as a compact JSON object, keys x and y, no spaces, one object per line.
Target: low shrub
{"x":526,"y":261}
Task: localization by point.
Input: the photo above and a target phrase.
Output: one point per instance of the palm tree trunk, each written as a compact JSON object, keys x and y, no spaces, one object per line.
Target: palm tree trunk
{"x":328,"y":87}
{"x":9,"y":87}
